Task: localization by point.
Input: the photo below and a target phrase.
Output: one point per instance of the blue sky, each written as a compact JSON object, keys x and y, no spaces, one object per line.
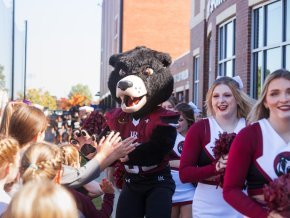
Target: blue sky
{"x":64,"y":39}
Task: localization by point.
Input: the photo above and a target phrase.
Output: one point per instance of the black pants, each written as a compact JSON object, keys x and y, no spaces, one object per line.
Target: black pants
{"x":149,"y":196}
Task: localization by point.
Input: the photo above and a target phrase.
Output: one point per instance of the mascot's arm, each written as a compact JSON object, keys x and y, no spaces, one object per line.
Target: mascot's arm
{"x":153,"y":151}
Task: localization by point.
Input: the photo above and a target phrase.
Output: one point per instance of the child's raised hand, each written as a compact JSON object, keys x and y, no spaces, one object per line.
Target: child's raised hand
{"x":107,"y":186}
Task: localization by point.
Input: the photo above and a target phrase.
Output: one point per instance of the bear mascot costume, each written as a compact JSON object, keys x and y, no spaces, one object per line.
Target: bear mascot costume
{"x":140,"y":82}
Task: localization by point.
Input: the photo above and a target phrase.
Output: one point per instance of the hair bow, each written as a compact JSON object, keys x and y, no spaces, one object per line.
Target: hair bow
{"x":236,"y":78}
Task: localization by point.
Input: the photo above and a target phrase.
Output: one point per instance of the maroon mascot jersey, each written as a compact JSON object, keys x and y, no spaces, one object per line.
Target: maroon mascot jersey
{"x":142,"y":128}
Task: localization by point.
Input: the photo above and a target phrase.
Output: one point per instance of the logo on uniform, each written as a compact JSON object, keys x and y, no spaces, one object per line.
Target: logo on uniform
{"x":180,"y":147}
{"x":282,"y":163}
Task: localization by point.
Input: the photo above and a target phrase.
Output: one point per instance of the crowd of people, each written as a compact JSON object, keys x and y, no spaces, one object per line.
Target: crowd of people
{"x":41,"y":155}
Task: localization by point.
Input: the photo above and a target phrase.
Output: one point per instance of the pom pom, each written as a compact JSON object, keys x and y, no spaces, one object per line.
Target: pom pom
{"x":223,"y":144}
{"x":277,"y":195}
{"x":222,"y":148}
{"x":119,"y":174}
{"x":94,"y":123}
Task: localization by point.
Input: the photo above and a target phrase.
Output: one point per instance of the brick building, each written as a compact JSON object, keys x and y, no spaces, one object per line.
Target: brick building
{"x":231,"y":37}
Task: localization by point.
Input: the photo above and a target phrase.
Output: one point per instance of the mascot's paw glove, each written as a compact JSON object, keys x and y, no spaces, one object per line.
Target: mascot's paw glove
{"x":85,"y":143}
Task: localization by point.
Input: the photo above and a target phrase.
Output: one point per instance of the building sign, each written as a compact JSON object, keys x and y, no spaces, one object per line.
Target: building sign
{"x":212,"y":5}
{"x":183,"y":75}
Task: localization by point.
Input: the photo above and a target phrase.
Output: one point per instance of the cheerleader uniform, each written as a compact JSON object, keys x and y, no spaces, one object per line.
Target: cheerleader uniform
{"x":198,"y":165}
{"x":258,"y":155}
{"x":184,"y":192}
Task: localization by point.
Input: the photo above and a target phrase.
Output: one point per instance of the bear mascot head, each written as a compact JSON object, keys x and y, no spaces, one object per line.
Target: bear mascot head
{"x":141,"y":80}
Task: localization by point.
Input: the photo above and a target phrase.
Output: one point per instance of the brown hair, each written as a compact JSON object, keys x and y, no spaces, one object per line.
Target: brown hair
{"x":26,"y":123}
{"x":186,"y":111}
{"x":41,"y":161}
{"x":43,"y":199}
{"x":70,"y":155}
{"x":8,"y":151}
{"x":244,"y":102}
{"x":259,"y":110}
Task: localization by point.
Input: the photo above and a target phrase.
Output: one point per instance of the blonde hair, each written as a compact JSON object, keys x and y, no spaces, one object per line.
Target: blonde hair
{"x":9,"y":109}
{"x":42,"y":200}
{"x":259,"y":110}
{"x":41,"y":161}
{"x":26,"y":123}
{"x":244,"y":102}
{"x":8,"y":151}
{"x":70,"y":155}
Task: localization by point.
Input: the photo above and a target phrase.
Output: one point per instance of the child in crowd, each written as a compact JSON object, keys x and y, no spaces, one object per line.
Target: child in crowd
{"x":42,"y":161}
{"x":43,"y":199}
{"x":71,"y":158}
{"x":9,"y":109}
{"x":9,"y":164}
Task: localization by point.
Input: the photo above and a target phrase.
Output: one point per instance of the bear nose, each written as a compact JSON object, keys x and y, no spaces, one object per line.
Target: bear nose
{"x":124,"y":84}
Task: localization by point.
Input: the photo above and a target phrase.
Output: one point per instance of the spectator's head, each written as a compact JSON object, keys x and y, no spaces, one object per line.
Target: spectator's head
{"x":43,"y":199}
{"x":9,"y":109}
{"x":41,"y":161}
{"x":9,"y":159}
{"x":27,"y":125}
{"x":70,"y":155}
{"x":170,"y":103}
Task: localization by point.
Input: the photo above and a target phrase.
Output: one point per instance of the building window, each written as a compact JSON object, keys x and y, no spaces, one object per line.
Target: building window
{"x":226,"y":48}
{"x":196,"y":80}
{"x":270,"y":41}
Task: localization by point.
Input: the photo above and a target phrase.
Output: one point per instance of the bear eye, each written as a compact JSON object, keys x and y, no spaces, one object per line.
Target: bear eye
{"x":148,"y":72}
{"x":122,"y":73}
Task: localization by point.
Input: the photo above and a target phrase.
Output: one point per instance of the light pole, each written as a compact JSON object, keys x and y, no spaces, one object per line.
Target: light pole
{"x":25,"y":59}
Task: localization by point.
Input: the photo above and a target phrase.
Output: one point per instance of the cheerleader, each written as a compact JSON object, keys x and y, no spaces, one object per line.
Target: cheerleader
{"x":261,"y":152}
{"x":182,"y":197}
{"x":227,"y":107}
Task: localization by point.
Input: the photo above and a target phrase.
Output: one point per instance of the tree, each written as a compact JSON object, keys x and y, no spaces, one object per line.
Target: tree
{"x":37,"y":96}
{"x":2,"y":78}
{"x":64,"y":103}
{"x":78,"y":99}
{"x":80,"y":94}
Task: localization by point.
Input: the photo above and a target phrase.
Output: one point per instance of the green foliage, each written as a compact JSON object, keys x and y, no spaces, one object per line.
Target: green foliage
{"x":37,"y":96}
{"x":81,"y":90}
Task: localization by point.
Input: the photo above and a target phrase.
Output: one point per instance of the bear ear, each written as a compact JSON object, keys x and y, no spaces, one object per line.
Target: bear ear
{"x":164,"y":58}
{"x":114,"y":59}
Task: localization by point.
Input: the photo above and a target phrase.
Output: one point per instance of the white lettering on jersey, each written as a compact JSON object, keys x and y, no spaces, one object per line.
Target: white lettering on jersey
{"x":160,"y":178}
{"x":134,"y":134}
